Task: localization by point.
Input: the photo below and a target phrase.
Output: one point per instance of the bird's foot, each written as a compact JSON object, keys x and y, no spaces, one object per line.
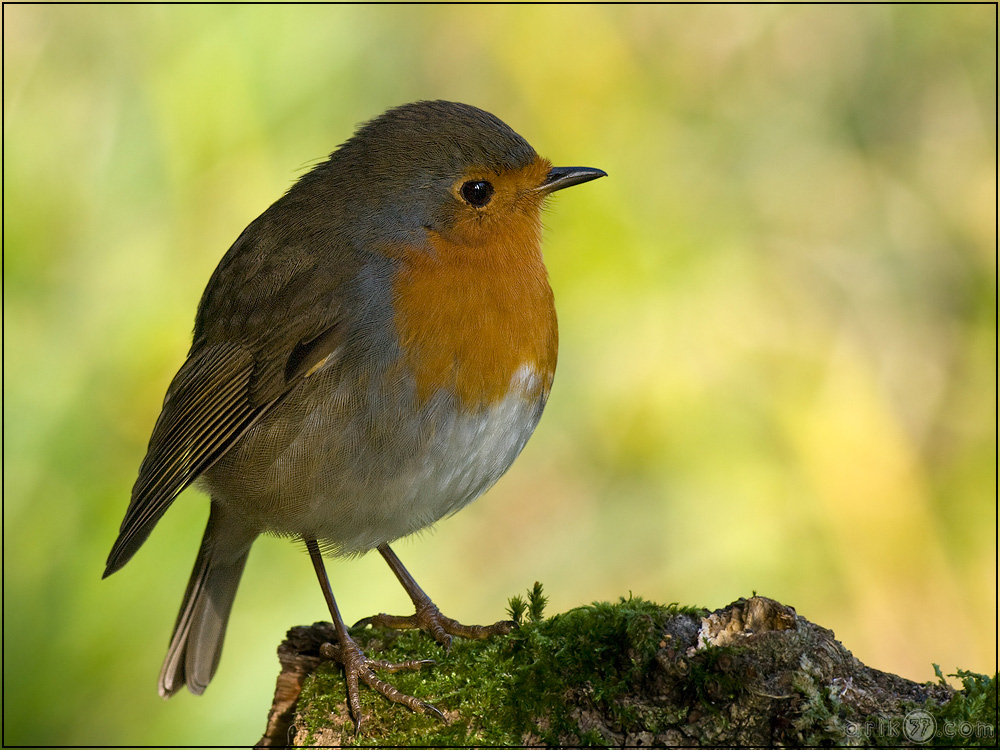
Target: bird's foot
{"x":358,"y":667}
{"x":429,"y":619}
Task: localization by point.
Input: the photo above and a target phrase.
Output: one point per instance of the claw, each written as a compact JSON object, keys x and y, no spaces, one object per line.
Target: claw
{"x":433,"y":710}
{"x":359,"y":668}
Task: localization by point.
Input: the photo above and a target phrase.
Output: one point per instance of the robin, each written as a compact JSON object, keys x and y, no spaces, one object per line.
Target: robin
{"x":370,"y":355}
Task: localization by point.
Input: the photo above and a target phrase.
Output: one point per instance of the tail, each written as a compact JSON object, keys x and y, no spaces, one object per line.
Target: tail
{"x":196,"y":645}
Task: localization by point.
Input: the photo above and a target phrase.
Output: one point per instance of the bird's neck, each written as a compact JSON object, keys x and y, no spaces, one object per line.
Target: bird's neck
{"x":478,"y":321}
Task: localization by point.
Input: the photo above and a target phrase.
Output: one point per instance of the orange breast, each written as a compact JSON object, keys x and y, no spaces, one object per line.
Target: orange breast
{"x":470,"y":317}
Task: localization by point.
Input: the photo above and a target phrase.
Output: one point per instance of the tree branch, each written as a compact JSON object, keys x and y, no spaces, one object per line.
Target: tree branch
{"x":630,"y":674}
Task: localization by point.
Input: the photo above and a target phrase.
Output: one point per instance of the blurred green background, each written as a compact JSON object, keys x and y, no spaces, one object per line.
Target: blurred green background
{"x":778,"y":323}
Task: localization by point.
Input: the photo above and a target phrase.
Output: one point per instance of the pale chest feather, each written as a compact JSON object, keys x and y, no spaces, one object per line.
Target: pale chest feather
{"x":335,"y":480}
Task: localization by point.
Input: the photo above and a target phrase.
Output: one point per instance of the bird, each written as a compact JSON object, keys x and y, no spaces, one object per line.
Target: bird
{"x":370,"y":355}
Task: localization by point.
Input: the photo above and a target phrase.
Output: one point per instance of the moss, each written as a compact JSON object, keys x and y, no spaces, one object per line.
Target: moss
{"x":634,"y":672}
{"x":969,"y":719}
{"x":501,"y":691}
{"x":464,"y":683}
{"x":594,"y":654}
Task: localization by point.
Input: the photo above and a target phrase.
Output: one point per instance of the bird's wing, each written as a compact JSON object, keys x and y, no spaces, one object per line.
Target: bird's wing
{"x":205,"y":409}
{"x":220,"y":392}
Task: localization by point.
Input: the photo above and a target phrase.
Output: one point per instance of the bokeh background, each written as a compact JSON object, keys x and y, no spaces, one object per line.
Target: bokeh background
{"x":778,"y":323}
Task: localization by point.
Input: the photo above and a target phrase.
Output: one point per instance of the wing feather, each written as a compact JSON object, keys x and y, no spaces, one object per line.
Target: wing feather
{"x":206,"y":409}
{"x":213,"y":400}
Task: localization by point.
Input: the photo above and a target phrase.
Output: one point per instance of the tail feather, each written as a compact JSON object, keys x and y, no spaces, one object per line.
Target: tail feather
{"x":196,"y":645}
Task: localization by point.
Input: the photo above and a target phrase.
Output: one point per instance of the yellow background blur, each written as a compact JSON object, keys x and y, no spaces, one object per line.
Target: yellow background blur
{"x":778,"y":323}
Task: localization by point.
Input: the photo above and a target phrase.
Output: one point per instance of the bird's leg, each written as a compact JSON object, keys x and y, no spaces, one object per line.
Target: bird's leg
{"x":356,"y":665}
{"x":427,"y":616}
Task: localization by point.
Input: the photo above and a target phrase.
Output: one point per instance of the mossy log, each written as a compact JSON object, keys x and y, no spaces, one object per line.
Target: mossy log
{"x":629,"y":674}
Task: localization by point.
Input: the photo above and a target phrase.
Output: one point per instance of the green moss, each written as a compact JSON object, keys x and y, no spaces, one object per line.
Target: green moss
{"x":448,"y":684}
{"x":970,"y":718}
{"x":600,"y":652}
{"x":534,"y":606}
{"x":503,"y":690}
{"x":601,"y":674}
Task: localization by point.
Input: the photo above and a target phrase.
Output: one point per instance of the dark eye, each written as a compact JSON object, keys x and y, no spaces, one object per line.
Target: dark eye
{"x":477,"y":192}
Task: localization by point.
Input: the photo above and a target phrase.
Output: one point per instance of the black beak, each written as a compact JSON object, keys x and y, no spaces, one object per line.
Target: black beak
{"x":563,"y":177}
